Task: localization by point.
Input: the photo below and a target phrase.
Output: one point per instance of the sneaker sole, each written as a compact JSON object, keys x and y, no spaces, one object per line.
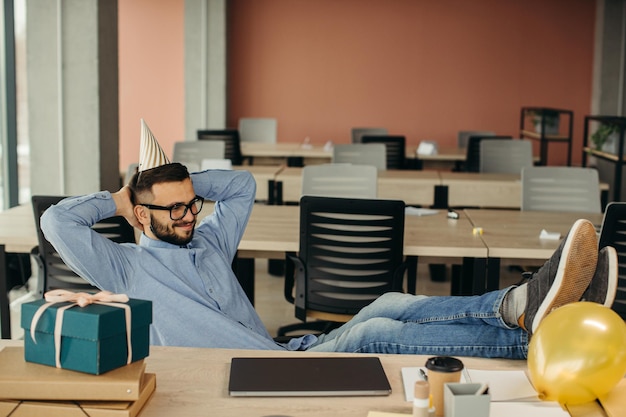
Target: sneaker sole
{"x":576,"y":268}
{"x":611,"y":288}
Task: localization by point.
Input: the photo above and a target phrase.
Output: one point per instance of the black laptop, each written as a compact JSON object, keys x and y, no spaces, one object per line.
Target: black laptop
{"x":307,"y":376}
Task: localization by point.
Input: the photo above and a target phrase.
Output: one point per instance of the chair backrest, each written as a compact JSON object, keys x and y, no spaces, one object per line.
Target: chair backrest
{"x":464,"y":135}
{"x":231,"y":140}
{"x":362,"y":154}
{"x":352,"y":252}
{"x":130,"y":171}
{"x":211,"y":163}
{"x":257,"y":129}
{"x":613,"y":233}
{"x":569,"y":189}
{"x":472,"y":155}
{"x":191,"y":153}
{"x":505,"y":156}
{"x":359,"y":132}
{"x":53,"y":272}
{"x":395,"y":147}
{"x":340,"y":180}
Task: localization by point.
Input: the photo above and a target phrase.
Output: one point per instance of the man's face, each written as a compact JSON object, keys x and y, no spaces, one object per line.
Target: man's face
{"x":177,"y":232}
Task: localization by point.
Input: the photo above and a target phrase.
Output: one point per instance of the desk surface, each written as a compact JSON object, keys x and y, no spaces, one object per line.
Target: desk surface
{"x":193,"y":382}
{"x":515,"y":234}
{"x":411,"y":186}
{"x":291,"y":149}
{"x":276,"y":229}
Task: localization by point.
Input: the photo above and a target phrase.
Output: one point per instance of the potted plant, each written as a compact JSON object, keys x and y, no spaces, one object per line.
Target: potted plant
{"x":550,"y":120}
{"x":605,"y":138}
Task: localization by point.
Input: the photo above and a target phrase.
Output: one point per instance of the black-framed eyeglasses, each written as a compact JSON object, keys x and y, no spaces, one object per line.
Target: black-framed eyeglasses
{"x":179,"y":210}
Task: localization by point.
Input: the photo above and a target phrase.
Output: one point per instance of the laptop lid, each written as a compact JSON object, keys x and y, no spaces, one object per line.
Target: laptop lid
{"x":307,"y":376}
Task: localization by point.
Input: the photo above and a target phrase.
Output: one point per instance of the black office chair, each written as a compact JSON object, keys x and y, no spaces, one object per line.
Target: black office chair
{"x":351,"y":252}
{"x":53,"y":272}
{"x":230,"y":137}
{"x":472,"y":157}
{"x":395,"y":149}
{"x":613,"y":233}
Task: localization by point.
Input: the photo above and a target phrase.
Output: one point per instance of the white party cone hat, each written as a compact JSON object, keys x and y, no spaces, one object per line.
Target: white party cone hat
{"x":150,"y":153}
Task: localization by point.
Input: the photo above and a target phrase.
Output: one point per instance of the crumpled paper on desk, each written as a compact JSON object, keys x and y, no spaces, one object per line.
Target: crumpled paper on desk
{"x":544,"y":234}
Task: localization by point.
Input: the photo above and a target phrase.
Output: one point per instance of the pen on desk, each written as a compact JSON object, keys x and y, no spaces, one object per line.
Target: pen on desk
{"x":423,"y":375}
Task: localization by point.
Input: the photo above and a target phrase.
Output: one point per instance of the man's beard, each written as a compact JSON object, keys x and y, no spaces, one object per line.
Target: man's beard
{"x":167,"y":233}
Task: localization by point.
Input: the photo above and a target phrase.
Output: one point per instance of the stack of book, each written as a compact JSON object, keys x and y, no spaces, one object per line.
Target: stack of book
{"x":28,"y":389}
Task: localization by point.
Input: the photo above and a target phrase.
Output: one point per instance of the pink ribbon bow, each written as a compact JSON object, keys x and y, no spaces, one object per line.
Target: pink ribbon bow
{"x":81,"y":299}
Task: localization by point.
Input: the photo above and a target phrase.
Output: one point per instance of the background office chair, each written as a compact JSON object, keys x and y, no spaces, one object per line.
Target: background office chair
{"x":53,"y":272}
{"x":351,"y":252}
{"x":505,"y":156}
{"x":230,"y":137}
{"x":340,"y":180}
{"x":361,"y":154}
{"x":561,"y":189}
{"x":395,"y":147}
{"x":358,"y":132}
{"x":192,"y":153}
{"x":257,"y":129}
{"x":472,"y":155}
{"x":464,"y":135}
{"x":216,"y":163}
{"x":613,"y":233}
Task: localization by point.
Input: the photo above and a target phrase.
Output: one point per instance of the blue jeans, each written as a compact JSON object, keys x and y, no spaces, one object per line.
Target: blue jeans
{"x":409,"y":324}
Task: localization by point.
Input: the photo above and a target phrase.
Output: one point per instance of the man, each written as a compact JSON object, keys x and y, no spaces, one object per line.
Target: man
{"x":185,"y":269}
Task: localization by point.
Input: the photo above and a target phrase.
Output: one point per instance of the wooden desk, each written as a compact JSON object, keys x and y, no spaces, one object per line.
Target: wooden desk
{"x":274,"y":230}
{"x":445,"y":159}
{"x":489,"y":190}
{"x":262,"y":174}
{"x":273,"y":153}
{"x":194,"y":382}
{"x":411,"y":186}
{"x":469,"y":189}
{"x":514,"y":234}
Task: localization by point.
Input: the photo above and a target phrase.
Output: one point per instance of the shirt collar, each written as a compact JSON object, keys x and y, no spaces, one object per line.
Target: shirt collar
{"x":144,"y":240}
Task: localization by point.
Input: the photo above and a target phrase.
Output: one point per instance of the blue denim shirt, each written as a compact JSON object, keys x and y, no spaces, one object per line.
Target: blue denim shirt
{"x":197,"y":300}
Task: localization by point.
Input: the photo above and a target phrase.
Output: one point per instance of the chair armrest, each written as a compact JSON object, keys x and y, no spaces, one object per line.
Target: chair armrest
{"x":41,"y":270}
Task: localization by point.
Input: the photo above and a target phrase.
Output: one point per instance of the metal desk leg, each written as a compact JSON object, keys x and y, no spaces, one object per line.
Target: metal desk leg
{"x":411,"y":276}
{"x":5,"y":317}
{"x":493,"y":274}
{"x":479,"y":275}
{"x":472,"y":279}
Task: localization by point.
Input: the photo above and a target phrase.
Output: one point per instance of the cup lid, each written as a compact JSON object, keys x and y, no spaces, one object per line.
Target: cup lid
{"x":444,"y":364}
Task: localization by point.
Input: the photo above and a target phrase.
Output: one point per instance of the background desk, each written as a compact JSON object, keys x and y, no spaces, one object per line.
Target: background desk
{"x":274,"y":230}
{"x":513,"y":234}
{"x":413,"y":187}
{"x":193,"y":382}
{"x":467,"y":189}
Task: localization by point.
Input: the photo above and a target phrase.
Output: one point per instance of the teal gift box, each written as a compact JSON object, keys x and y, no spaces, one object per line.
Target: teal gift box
{"x":93,"y":338}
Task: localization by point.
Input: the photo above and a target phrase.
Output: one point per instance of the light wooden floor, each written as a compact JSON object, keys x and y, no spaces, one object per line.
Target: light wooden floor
{"x":275,"y":311}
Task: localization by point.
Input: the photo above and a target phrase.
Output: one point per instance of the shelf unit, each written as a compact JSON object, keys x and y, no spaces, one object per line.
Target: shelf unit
{"x":616,"y":158}
{"x":565,"y":117}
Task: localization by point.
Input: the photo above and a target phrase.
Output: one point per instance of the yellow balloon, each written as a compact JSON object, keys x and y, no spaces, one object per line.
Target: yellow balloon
{"x":578,"y":353}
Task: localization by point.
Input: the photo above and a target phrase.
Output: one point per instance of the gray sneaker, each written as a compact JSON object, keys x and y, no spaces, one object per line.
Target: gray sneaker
{"x":564,"y":277}
{"x":603,"y":285}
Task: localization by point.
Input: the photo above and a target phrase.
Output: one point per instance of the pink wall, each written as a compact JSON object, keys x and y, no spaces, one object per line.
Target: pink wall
{"x":425,"y":69}
{"x":151,"y":81}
